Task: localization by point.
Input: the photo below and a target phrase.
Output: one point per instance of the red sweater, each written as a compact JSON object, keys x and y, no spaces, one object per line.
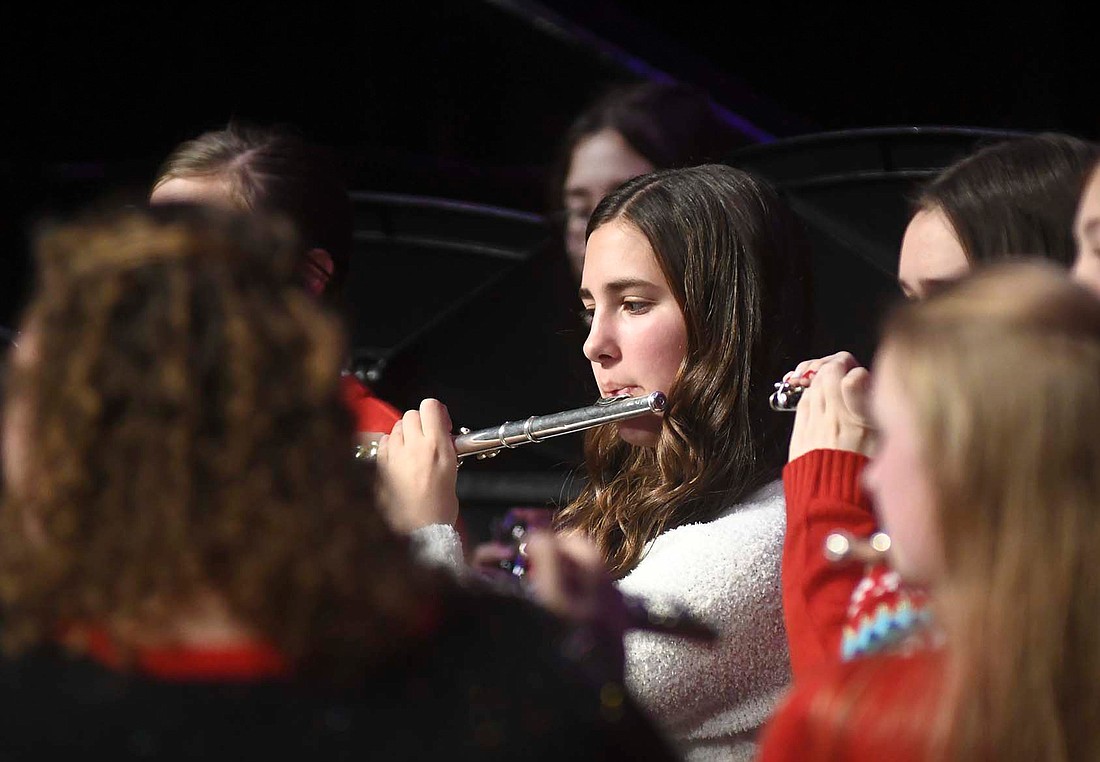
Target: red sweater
{"x":868,"y":710}
{"x":869,"y":606}
{"x":242,"y":661}
{"x":823,"y":494}
{"x":873,"y":708}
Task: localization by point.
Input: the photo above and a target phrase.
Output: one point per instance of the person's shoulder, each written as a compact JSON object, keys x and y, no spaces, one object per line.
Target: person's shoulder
{"x":758,"y":519}
{"x":764,"y":508}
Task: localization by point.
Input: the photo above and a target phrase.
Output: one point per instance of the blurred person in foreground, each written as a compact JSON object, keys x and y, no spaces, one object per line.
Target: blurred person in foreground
{"x":991,"y":497}
{"x":192,"y":565}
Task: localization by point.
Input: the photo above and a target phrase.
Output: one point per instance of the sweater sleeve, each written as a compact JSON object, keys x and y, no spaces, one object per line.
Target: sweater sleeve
{"x":787,"y":736}
{"x":438,"y":545}
{"x":823,"y":494}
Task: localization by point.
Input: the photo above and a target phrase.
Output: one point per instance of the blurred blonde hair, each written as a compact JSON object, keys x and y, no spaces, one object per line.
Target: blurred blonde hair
{"x":1002,"y":371}
{"x":275,"y":171}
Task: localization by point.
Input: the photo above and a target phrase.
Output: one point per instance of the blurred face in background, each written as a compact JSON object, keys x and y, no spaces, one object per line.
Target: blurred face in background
{"x":898,"y":479}
{"x":600,"y":163}
{"x":1086,"y":232}
{"x":931,"y":254}
{"x":208,"y":191}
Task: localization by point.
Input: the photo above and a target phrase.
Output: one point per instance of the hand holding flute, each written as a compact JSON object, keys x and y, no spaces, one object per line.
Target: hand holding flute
{"x":833,"y":412}
{"x":416,"y":461}
{"x":416,"y":488}
{"x":830,"y":399}
{"x":416,"y":470}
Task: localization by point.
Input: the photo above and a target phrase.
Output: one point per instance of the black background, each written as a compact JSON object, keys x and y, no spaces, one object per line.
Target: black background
{"x":466,"y":98}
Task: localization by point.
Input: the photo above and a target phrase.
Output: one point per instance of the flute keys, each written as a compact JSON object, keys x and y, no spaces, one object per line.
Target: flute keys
{"x":367,"y":450}
{"x":785,"y":397}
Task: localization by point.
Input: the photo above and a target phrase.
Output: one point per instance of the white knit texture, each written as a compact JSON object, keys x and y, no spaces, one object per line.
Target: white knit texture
{"x":438,"y":545}
{"x":712,"y":701}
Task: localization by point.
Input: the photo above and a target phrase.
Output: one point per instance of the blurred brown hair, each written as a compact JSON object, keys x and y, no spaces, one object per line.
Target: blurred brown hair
{"x":186,"y":435}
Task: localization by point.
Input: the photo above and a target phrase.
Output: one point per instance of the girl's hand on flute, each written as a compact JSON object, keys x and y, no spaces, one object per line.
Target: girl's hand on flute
{"x":833,"y":413}
{"x":417,"y":470}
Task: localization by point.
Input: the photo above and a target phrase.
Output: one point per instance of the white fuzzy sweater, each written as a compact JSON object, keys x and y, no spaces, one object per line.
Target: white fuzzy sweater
{"x":711,"y":701}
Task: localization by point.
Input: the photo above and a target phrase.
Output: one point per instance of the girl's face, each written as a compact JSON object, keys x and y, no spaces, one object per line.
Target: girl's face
{"x":900,"y":482}
{"x":638,"y":339}
{"x":931,"y":254}
{"x":1086,"y":231}
{"x":600,"y":163}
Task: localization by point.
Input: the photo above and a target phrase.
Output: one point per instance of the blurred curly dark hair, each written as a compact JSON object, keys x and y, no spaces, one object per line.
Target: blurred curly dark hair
{"x":185,"y":435}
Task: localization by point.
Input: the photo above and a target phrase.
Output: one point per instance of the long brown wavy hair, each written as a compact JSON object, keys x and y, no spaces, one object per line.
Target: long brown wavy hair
{"x":184,"y":434}
{"x":1001,"y":371}
{"x":737,"y":264}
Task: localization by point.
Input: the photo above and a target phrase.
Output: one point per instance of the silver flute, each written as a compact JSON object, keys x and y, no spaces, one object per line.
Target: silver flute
{"x":785,"y":397}
{"x":486,"y":443}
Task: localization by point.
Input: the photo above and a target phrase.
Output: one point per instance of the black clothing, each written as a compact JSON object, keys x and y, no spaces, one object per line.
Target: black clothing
{"x":491,"y":683}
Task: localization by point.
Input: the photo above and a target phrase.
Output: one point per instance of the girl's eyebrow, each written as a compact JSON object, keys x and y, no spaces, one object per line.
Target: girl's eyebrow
{"x":617,"y":286}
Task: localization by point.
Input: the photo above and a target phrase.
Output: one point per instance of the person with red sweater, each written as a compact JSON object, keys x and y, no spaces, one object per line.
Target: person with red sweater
{"x":989,"y":492}
{"x":837,"y":610}
{"x":1013,"y":196}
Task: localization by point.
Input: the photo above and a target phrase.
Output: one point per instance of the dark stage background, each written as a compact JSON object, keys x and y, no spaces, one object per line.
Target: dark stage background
{"x":465,"y":100}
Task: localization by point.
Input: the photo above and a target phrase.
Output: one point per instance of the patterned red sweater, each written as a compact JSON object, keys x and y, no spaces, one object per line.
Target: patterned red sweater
{"x":839,"y":611}
{"x":861,"y":709}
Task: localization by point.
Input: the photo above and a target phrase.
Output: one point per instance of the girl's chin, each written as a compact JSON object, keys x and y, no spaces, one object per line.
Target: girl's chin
{"x":641,"y":432}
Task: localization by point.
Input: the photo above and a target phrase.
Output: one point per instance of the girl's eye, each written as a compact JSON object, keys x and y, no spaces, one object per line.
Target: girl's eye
{"x":586,"y":314}
{"x":635,"y":308}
